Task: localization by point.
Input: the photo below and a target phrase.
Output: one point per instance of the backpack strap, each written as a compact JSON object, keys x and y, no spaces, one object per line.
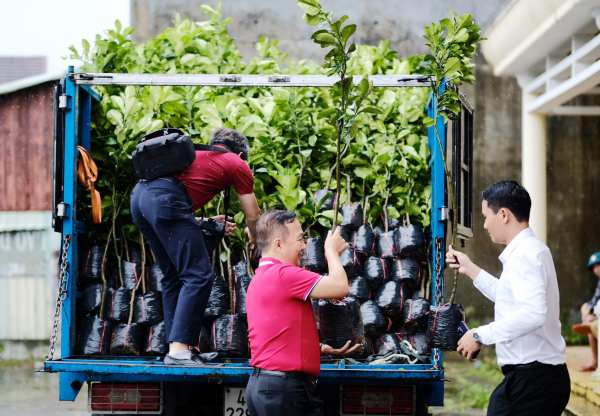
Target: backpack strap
{"x":209,"y":148}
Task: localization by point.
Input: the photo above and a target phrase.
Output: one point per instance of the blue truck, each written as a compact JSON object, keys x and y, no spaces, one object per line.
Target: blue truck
{"x":142,"y":385}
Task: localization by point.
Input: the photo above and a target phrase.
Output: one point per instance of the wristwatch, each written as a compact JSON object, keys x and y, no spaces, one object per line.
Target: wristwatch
{"x":476,"y":338}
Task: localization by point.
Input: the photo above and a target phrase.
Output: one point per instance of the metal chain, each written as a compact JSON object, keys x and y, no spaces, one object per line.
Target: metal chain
{"x":62,"y":292}
{"x":439,"y":299}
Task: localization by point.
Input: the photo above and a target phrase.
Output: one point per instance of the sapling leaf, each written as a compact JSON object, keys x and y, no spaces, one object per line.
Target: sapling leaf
{"x":347,"y":32}
{"x":308,"y":7}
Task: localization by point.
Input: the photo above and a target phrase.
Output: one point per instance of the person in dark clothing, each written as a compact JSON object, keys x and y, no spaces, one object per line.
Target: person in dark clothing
{"x":163,"y":210}
{"x":526,"y":329}
{"x":588,"y":315}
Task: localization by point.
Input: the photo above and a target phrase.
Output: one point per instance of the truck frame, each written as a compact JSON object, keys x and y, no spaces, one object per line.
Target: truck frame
{"x":421,"y":385}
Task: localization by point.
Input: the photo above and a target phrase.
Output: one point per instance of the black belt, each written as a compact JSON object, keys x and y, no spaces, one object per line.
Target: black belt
{"x":175,"y":182}
{"x":536,"y":365}
{"x":294,"y":375}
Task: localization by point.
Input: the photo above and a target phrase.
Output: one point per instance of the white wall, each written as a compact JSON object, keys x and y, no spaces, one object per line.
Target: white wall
{"x":48,"y":28}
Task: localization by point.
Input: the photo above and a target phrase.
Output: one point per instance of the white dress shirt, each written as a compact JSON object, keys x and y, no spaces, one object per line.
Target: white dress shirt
{"x":526,"y":310}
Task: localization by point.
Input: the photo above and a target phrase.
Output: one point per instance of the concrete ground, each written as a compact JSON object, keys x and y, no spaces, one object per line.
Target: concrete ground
{"x":24,"y":392}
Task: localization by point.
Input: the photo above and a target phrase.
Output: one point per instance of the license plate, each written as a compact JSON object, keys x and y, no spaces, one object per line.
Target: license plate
{"x":235,"y":401}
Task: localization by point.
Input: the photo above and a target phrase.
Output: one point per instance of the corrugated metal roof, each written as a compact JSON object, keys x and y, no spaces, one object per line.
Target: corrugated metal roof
{"x":29,"y":82}
{"x":25,"y":220}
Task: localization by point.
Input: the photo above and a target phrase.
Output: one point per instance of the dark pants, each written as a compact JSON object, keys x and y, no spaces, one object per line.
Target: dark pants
{"x":163,"y":213}
{"x":268,"y":395}
{"x":534,"y":391}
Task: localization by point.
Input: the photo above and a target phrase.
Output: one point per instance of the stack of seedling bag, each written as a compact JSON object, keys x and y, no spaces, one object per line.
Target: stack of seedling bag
{"x":123,"y":315}
{"x":385,"y":268}
{"x":225,"y":328}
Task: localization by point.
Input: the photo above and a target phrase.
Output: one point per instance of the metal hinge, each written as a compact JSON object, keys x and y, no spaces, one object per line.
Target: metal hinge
{"x":279,"y":78}
{"x":64,"y":101}
{"x":444,"y":213}
{"x":230,"y":78}
{"x":62,"y":210}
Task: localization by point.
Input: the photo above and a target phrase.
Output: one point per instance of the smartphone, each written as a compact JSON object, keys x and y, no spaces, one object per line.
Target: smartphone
{"x":462,"y":330}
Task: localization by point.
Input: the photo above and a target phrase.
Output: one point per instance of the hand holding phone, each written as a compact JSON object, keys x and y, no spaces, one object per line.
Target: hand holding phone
{"x":462,"y":330}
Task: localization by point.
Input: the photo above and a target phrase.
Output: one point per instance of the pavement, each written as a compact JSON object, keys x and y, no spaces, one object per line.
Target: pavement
{"x":24,"y":392}
{"x":585,"y":393}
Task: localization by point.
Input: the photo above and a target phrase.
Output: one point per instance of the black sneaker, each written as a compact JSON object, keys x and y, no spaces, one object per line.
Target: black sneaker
{"x":194,"y":361}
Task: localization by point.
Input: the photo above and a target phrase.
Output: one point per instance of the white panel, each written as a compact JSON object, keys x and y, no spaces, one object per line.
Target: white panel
{"x":24,"y":315}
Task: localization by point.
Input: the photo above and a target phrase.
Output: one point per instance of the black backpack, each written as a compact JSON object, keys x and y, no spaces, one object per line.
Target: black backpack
{"x":166,"y":151}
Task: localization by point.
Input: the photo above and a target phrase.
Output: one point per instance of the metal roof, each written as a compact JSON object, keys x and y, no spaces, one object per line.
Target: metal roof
{"x":30,"y":82}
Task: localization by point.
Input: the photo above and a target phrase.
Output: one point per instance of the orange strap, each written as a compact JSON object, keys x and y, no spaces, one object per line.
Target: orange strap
{"x":87,"y":172}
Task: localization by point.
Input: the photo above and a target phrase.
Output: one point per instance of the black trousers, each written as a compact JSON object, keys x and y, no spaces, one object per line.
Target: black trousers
{"x":163,"y":213}
{"x":268,"y":395}
{"x":542,"y":391}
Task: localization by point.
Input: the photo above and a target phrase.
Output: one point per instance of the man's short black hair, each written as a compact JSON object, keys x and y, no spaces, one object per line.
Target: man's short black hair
{"x":233,"y":139}
{"x":272,"y":224}
{"x":511,"y":195}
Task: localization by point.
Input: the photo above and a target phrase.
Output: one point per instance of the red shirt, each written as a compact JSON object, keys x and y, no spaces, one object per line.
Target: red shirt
{"x":212,"y":172}
{"x":281,"y":323}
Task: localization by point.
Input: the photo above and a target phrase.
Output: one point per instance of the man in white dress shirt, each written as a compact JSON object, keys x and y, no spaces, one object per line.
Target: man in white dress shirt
{"x":526,"y":329}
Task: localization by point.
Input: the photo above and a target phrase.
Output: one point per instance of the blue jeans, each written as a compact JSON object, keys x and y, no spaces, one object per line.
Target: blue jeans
{"x":163,"y":213}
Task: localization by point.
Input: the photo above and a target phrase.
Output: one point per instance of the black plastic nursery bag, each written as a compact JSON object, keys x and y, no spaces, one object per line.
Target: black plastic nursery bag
{"x":363,"y":240}
{"x":360,"y":289}
{"x":385,"y":245}
{"x":340,"y":322}
{"x":374,"y":322}
{"x":315,"y":305}
{"x":241,"y":282}
{"x":352,"y":215}
{"x":154,"y":277}
{"x":352,"y":262}
{"x":230,"y":336}
{"x":148,"y":309}
{"x":127,"y":339}
{"x":386,"y":343}
{"x":92,"y":297}
{"x":116,"y":304}
{"x":443,"y":326}
{"x":155,"y":342}
{"x":419,"y":342}
{"x":131,"y":274}
{"x":93,"y":337}
{"x":416,"y":315}
{"x":204,"y":340}
{"x":406,"y":271}
{"x":218,"y":301}
{"x":91,"y":263}
{"x":313,"y":257}
{"x":377,"y":271}
{"x":410,"y":242}
{"x":390,"y":298}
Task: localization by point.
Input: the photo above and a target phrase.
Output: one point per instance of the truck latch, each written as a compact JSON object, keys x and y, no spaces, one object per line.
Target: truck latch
{"x":62,"y":210}
{"x":444,"y":213}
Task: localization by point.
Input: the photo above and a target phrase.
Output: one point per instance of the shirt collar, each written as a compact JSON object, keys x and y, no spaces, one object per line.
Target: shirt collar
{"x":269,"y":259}
{"x":505,"y":255}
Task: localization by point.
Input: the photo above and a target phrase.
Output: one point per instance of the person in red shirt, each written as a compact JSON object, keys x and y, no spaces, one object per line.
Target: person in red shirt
{"x":163,"y":210}
{"x":282,"y":329}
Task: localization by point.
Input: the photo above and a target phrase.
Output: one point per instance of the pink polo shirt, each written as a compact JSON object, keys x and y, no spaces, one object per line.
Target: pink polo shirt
{"x":282,"y":329}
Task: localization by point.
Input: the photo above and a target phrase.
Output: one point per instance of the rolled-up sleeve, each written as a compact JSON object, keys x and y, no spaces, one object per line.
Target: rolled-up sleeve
{"x":486,"y":284}
{"x":528,"y":286}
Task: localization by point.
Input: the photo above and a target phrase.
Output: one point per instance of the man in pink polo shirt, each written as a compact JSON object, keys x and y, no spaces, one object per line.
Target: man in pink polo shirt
{"x":282,"y":329}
